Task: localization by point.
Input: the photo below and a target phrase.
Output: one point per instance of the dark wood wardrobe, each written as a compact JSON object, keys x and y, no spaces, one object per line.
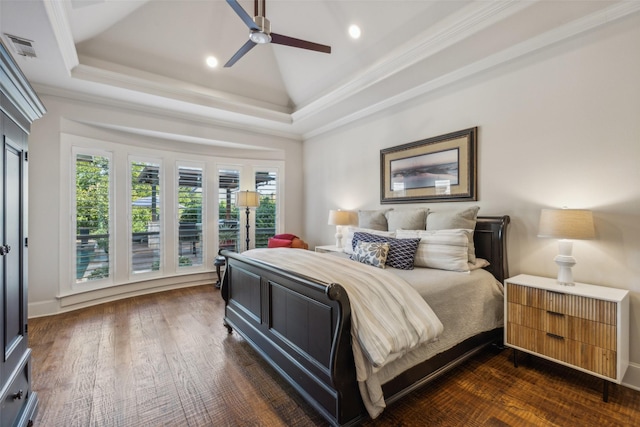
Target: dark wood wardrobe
{"x":19,"y":107}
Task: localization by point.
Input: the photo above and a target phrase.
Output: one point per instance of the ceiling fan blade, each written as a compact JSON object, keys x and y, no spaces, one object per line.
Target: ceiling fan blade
{"x":248,"y":20}
{"x":240,"y":53}
{"x":303,"y":44}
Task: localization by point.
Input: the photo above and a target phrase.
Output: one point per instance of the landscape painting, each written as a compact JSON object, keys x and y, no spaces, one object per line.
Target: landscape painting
{"x":425,"y":170}
{"x":442,"y":168}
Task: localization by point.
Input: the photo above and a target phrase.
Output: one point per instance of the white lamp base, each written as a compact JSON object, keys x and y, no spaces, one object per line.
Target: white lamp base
{"x":339,"y":236}
{"x":565,"y":262}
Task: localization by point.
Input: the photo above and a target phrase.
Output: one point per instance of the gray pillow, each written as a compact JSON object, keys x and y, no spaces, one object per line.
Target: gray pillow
{"x":464,"y":218}
{"x":407,"y":219}
{"x":374,"y":219}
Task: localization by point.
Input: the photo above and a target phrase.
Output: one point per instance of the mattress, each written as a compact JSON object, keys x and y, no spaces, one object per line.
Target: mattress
{"x":466,"y":304}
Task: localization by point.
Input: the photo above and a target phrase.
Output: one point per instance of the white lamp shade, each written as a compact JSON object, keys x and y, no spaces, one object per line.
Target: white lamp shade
{"x":573,"y":224}
{"x":338,"y":217}
{"x":249,"y":199}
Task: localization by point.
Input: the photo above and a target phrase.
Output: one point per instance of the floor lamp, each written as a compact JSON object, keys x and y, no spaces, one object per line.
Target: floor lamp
{"x":248,"y":199}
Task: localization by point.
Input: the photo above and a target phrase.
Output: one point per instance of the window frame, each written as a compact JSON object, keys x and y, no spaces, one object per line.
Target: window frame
{"x":109,"y":280}
{"x":120,"y":151}
{"x":149,"y":160}
{"x":279,"y":222}
{"x":204,"y":214}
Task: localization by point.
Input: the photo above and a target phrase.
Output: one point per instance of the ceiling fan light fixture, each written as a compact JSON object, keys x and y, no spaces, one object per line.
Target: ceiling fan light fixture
{"x":260,"y":33}
{"x":259,"y":37}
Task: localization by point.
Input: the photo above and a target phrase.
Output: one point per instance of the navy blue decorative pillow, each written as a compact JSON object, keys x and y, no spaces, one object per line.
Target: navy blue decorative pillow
{"x":401,"y":251}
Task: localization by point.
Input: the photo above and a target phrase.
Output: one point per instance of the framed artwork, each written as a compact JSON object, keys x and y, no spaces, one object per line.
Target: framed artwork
{"x":439,"y":169}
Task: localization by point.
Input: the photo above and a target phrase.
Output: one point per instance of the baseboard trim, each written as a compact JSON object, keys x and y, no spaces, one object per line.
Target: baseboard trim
{"x":632,"y":377}
{"x":52,"y":307}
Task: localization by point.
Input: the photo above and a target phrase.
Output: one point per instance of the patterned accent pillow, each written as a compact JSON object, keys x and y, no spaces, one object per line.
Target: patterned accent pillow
{"x":401,"y":251}
{"x":371,"y":253}
{"x":348,"y":237}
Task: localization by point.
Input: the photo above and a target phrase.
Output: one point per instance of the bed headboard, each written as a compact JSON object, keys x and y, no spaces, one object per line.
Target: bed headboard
{"x":490,"y":239}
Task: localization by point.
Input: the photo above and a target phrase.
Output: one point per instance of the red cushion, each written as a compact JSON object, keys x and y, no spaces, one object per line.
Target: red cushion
{"x":285,"y":236}
{"x":278,"y":243}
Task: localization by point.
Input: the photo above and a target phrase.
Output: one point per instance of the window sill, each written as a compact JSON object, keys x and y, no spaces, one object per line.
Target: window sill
{"x":78,"y":298}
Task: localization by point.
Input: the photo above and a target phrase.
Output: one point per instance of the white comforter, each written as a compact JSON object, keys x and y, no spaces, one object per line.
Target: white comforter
{"x":388,"y":317}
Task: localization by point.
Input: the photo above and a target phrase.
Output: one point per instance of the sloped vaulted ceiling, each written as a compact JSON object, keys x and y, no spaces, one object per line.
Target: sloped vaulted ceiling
{"x":152,"y":53}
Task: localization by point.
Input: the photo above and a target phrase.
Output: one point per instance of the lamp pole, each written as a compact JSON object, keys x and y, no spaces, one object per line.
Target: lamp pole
{"x":247,"y":226}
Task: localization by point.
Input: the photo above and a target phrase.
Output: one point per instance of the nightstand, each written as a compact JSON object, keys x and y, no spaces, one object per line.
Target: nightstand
{"x":585,"y":327}
{"x":329,"y":248}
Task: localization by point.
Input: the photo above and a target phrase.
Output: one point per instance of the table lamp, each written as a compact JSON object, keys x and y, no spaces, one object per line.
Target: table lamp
{"x":566,"y":225}
{"x":340,"y":218}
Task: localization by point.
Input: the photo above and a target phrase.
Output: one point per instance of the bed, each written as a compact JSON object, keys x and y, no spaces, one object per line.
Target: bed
{"x":301,"y":326}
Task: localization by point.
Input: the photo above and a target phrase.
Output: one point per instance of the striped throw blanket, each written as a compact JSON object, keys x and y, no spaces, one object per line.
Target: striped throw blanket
{"x":388,"y":317}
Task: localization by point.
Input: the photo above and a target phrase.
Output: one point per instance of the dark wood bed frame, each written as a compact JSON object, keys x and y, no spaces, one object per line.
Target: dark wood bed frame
{"x":301,"y":327}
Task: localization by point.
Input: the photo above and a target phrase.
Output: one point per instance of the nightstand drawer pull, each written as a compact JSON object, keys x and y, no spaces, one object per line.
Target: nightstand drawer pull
{"x":556,"y":292}
{"x":550,"y":335}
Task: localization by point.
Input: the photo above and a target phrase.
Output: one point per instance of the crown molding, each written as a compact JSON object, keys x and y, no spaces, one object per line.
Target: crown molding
{"x":180,"y":91}
{"x":98,"y":71}
{"x":24,"y":106}
{"x":474,"y":18}
{"x":564,"y":32}
{"x":203,"y":117}
{"x":62,"y":30}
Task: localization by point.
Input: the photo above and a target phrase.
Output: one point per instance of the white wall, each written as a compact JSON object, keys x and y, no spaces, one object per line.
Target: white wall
{"x":558,"y":128}
{"x":46,"y":197}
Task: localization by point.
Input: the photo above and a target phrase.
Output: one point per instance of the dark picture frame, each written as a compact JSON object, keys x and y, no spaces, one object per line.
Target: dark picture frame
{"x":438,"y":169}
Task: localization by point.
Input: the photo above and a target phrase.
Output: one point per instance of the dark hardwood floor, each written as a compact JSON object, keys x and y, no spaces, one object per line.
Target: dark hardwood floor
{"x":166,"y":360}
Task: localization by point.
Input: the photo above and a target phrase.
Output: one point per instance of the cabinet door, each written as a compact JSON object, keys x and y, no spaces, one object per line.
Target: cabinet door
{"x":14,"y":343}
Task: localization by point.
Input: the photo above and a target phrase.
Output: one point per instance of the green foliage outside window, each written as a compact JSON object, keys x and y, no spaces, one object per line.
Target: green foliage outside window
{"x":266,"y":213}
{"x":92,"y":196}
{"x":140,"y":216}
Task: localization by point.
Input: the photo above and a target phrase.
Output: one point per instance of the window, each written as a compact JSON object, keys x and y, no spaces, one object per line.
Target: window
{"x":228,"y":213}
{"x":190,"y":216}
{"x":266,"y":213}
{"x":138,"y":218}
{"x":92,"y":216}
{"x":145,"y":217}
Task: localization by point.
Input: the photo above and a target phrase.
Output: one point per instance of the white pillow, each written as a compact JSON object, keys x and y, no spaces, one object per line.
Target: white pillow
{"x":348,"y":240}
{"x":464,"y":218}
{"x":441,"y":249}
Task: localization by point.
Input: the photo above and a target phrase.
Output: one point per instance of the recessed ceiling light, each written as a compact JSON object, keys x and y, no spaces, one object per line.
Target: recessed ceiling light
{"x":212,"y":62}
{"x":354,"y":32}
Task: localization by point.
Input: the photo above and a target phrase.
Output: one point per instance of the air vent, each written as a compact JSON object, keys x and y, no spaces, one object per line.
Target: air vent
{"x":22,"y":46}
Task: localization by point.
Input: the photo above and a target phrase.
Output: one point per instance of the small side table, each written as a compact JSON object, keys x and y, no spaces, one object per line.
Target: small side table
{"x":585,"y":327}
{"x":219,"y":262}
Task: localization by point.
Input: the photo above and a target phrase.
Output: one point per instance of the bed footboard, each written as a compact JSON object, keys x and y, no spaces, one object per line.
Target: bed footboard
{"x":301,"y":327}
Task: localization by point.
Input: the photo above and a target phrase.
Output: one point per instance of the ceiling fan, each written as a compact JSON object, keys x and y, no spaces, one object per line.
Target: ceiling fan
{"x":260,"y":32}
